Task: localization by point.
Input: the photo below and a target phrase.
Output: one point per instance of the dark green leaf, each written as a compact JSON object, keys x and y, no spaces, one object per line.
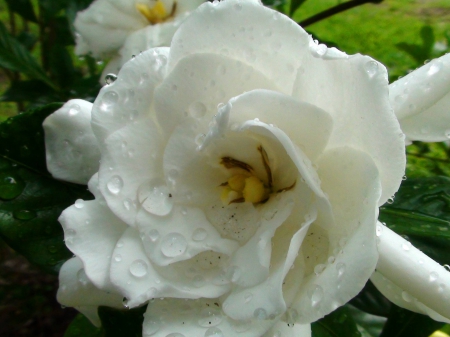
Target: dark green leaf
{"x":81,"y":326}
{"x":370,"y":300}
{"x":29,"y":91}
{"x":51,"y":8}
{"x":14,"y":56}
{"x":27,"y":39}
{"x":61,"y":66}
{"x":405,"y":323}
{"x":337,"y":324}
{"x":30,"y":200}
{"x":65,"y":37}
{"x":420,"y":52}
{"x":295,"y":4}
{"x":421,"y":212}
{"x":120,"y":323}
{"x":22,"y":7}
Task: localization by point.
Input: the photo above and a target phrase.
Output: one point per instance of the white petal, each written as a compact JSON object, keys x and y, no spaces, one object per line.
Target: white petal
{"x":282,"y":329}
{"x":197,"y":318}
{"x":199,"y":82}
{"x":360,"y":109}
{"x":248,"y":32}
{"x":71,"y":148}
{"x":129,"y":99}
{"x":105,"y":25}
{"x":131,"y":157}
{"x":414,"y":272}
{"x":180,"y":235}
{"x":340,"y":261}
{"x":139,"y":280}
{"x":75,"y":290}
{"x":91,"y":232}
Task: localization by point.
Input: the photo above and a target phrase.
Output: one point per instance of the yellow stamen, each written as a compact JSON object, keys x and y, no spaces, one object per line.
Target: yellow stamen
{"x":237,"y":182}
{"x":155,"y":14}
{"x":254,"y":190}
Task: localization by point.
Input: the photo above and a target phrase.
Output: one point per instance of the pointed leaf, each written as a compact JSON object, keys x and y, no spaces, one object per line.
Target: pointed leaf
{"x":337,"y":324}
{"x":81,"y":326}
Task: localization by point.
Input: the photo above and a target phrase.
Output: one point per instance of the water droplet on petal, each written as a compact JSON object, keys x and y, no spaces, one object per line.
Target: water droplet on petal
{"x":118,"y":258}
{"x":371,"y":68}
{"x":199,"y":234}
{"x":119,"y":244}
{"x":175,"y":334}
{"x":248,"y":297}
{"x":153,"y":235}
{"x":173,"y":244}
{"x":319,"y":268}
{"x":82,"y":277}
{"x":109,"y":99}
{"x":260,"y":314}
{"x":407,"y":297}
{"x":447,"y":267}
{"x":197,"y":109}
{"x":151,"y":326}
{"x":237,"y":6}
{"x":79,"y":203}
{"x":379,"y":230}
{"x":434,"y":68}
{"x":156,"y":198}
{"x":234,"y":273}
{"x":406,"y":246}
{"x":433,"y":276}
{"x":210,"y":317}
{"x":74,"y":109}
{"x":316,"y":295}
{"x":214,"y":332}
{"x":115,"y":184}
{"x":110,"y":78}
{"x":331,"y":259}
{"x":138,"y":268}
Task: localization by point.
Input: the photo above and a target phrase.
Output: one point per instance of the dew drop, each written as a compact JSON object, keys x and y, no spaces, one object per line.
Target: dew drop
{"x":318,"y":269}
{"x":331,"y":259}
{"x":434,"y":68}
{"x":138,"y":268}
{"x":127,"y":204}
{"x":390,"y":201}
{"x":379,"y":230}
{"x":79,"y":203}
{"x":248,"y":297}
{"x":433,"y":276}
{"x":447,"y":134}
{"x":109,"y":99}
{"x":371,"y":68}
{"x":210,"y":317}
{"x":151,"y":326}
{"x":110,"y":78}
{"x":156,"y":198}
{"x":199,"y":234}
{"x":82,"y":277}
{"x":406,"y":246}
{"x":115,"y":184}
{"x":119,"y":244}
{"x":11,"y":187}
{"x":407,"y":297}
{"x":260,"y":314}
{"x":74,"y":109}
{"x":237,"y":6}
{"x":197,"y":109}
{"x":316,"y":295}
{"x":24,"y":215}
{"x":447,"y":267}
{"x":153,"y":235}
{"x":118,"y":258}
{"x":175,"y":334}
{"x":234,"y":273}
{"x":321,"y":49}
{"x":200,"y":138}
{"x":173,"y":244}
{"x":214,"y":332}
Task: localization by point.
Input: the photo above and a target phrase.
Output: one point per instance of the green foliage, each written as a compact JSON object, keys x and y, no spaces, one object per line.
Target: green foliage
{"x":81,"y":327}
{"x":23,"y":8}
{"x":30,"y":200}
{"x":120,"y":323}
{"x":337,"y":324}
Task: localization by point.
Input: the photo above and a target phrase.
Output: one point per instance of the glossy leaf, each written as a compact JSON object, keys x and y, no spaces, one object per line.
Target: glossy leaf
{"x":120,"y":323}
{"x":81,"y":326}
{"x":14,"y":56}
{"x":339,"y":323}
{"x":30,"y":200}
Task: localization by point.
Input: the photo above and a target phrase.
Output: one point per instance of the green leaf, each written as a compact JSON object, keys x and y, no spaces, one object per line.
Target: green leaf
{"x":371,"y":324}
{"x":405,"y":323}
{"x":420,"y":52}
{"x":22,"y":7}
{"x":295,"y":4}
{"x":30,"y":200}
{"x":27,"y":39}
{"x":14,"y":56}
{"x":51,"y":8}
{"x":421,"y":213}
{"x":81,"y":326}
{"x":61,"y":66}
{"x":120,"y":323}
{"x":370,"y":300}
{"x":29,"y":91}
{"x":339,"y":323}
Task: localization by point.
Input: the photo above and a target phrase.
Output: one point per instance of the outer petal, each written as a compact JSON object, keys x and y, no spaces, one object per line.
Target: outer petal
{"x":414,"y":272}
{"x":282,"y":329}
{"x":360,"y":109}
{"x":75,"y":290}
{"x":339,"y":261}
{"x":91,"y":232}
{"x":245,"y":31}
{"x":420,"y":101}
{"x":71,"y":148}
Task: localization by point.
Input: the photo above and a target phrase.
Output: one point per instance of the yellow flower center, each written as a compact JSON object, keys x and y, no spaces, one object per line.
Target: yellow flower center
{"x":157,"y":13}
{"x":243,"y":188}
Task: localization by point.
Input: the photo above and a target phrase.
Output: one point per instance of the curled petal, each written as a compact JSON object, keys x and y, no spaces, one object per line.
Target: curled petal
{"x":71,"y":149}
{"x":419,"y":281}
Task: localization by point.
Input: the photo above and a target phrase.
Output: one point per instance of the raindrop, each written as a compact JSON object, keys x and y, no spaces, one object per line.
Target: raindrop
{"x":109,"y":99}
{"x":151,"y":326}
{"x":153,"y":235}
{"x":379,"y":230}
{"x":214,"y":332}
{"x":406,"y":246}
{"x":119,"y":244}
{"x":433,"y":276}
{"x":321,"y":49}
{"x":199,"y":234}
{"x":434,"y":68}
{"x":237,"y":6}
{"x":200,"y":138}
{"x":138,"y":268}
{"x":404,"y":178}
{"x":260,"y":314}
{"x":447,"y":134}
{"x":110,"y":78}
{"x":197,"y":109}
{"x":407,"y":297}
{"x":331,"y":259}
{"x":11,"y":187}
{"x":234,"y":273}
{"x":82,"y":277}
{"x":291,"y":316}
{"x":390,"y":201}
{"x":173,"y":244}
{"x":115,"y":184}
{"x":248,"y":297}
{"x":319,"y":269}
{"x":316,"y":295}
{"x":210,"y":317}
{"x":156,"y":198}
{"x":127,"y":203}
{"x":24,"y":215}
{"x":74,"y":109}
{"x":441,"y":288}
{"x":79,"y":203}
{"x":371,"y":68}
{"x":118,"y":258}
{"x":447,"y":267}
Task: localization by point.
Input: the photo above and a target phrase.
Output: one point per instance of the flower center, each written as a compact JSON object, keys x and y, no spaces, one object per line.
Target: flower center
{"x":157,"y":13}
{"x":245,"y":186}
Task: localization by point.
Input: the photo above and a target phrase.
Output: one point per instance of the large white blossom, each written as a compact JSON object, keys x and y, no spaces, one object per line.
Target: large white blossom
{"x":120,"y":29}
{"x":240,"y":176}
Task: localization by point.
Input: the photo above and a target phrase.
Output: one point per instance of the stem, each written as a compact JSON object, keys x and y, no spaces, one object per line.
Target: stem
{"x":335,"y":10}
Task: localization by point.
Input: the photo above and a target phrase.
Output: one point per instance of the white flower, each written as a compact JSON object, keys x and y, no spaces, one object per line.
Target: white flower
{"x":123,"y":28}
{"x":421,"y":101}
{"x":240,"y":178}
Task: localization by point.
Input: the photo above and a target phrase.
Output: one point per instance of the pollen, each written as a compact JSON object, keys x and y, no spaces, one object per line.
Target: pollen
{"x":241,"y":188}
{"x":155,"y":14}
{"x":254,"y":190}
